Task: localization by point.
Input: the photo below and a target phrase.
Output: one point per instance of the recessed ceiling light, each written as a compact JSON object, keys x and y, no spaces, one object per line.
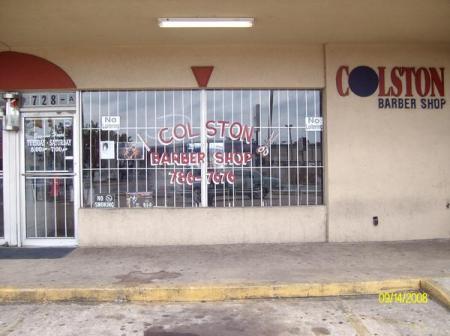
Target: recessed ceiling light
{"x":206,"y":22}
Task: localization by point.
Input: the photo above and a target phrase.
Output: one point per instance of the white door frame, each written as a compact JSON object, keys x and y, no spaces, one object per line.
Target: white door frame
{"x":50,"y":112}
{"x":11,"y":206}
{"x":3,"y":239}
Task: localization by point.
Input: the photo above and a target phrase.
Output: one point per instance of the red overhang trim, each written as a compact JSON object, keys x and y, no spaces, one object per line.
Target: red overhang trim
{"x":19,"y":71}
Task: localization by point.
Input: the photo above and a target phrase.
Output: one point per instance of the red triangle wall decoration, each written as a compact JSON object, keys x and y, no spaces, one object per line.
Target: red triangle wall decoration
{"x":202,"y":74}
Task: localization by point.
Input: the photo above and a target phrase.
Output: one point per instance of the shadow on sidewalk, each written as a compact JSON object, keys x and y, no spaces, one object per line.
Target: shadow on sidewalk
{"x":34,"y":253}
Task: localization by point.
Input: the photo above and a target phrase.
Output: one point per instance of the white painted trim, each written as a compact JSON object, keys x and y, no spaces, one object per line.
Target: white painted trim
{"x":3,"y":239}
{"x":204,"y":147}
{"x":11,"y":165}
{"x":77,"y":164}
{"x":79,"y":118}
{"x":72,"y":109}
{"x":50,"y":242}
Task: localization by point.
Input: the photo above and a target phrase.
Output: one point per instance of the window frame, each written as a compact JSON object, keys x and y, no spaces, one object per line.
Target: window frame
{"x":204,"y":194}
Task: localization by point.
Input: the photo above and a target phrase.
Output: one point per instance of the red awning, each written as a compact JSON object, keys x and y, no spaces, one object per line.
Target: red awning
{"x":20,"y":71}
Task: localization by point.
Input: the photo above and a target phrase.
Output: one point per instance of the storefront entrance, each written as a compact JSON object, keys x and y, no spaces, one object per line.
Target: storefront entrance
{"x":48,"y":180}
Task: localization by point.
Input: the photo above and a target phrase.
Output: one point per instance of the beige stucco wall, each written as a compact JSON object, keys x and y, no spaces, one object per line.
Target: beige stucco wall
{"x":394,"y":164}
{"x":162,"y":66}
{"x":201,"y":226}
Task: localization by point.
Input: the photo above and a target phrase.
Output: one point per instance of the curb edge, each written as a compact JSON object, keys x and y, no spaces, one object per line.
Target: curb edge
{"x":212,"y":292}
{"x":435,"y":290}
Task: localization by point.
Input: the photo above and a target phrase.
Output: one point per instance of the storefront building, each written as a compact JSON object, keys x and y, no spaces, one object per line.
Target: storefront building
{"x":262,"y":135}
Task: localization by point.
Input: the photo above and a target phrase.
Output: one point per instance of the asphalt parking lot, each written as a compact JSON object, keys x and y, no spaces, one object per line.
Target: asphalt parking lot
{"x":321,"y":316}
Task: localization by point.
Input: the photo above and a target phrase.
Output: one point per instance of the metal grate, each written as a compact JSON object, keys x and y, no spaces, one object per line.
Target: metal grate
{"x":49,"y":207}
{"x":290,"y":172}
{"x":136,"y":182}
{"x":49,"y":189}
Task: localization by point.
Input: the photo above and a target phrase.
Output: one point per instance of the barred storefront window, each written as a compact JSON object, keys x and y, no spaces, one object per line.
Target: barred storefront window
{"x":156,"y":149}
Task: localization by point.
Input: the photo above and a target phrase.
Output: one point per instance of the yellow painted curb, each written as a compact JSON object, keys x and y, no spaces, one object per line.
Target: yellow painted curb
{"x":206,"y":292}
{"x":437,"y":291}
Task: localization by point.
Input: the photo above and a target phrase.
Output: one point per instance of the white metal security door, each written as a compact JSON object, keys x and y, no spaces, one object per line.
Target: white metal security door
{"x":49,"y":180}
{"x":2,"y":219}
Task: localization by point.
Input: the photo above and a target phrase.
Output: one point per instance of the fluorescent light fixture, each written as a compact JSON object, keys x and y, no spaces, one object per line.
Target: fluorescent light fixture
{"x":206,"y":22}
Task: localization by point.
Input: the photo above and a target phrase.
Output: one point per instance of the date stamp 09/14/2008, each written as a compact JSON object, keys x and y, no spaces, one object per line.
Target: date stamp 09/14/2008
{"x":403,"y":297}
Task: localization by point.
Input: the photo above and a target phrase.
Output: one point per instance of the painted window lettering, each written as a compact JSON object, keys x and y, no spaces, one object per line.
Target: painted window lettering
{"x":157,"y":149}
{"x":234,"y":130}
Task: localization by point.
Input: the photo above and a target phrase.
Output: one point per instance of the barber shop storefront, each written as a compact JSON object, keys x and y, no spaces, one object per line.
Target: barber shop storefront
{"x":169,"y":149}
{"x":301,"y":123}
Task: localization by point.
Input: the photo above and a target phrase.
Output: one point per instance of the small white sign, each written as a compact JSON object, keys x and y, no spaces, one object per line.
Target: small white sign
{"x":107,"y":151}
{"x":313,"y":124}
{"x":110,"y":123}
{"x":104,"y":201}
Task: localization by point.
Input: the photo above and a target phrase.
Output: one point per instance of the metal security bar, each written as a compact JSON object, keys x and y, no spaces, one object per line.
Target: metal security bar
{"x":49,"y":177}
{"x":135,"y":181}
{"x":288,"y":172}
{"x":291,"y":172}
{"x":49,"y":207}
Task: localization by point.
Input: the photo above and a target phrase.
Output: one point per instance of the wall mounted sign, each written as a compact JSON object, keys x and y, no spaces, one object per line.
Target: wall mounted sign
{"x":48,"y":99}
{"x":398,"y":87}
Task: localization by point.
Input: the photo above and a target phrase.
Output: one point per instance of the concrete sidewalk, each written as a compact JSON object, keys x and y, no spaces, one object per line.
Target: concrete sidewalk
{"x":224,"y":265}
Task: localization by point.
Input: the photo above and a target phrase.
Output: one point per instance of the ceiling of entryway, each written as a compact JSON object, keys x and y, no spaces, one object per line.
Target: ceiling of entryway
{"x":46,"y":23}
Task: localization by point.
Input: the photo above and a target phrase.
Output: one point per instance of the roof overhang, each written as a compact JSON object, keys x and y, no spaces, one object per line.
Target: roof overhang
{"x":55,"y":23}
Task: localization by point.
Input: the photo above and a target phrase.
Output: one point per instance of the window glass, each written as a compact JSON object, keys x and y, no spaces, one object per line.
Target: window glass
{"x":289,"y":172}
{"x":144,"y":148}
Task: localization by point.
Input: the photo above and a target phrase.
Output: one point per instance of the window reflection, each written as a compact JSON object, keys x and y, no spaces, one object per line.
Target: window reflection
{"x":289,"y":172}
